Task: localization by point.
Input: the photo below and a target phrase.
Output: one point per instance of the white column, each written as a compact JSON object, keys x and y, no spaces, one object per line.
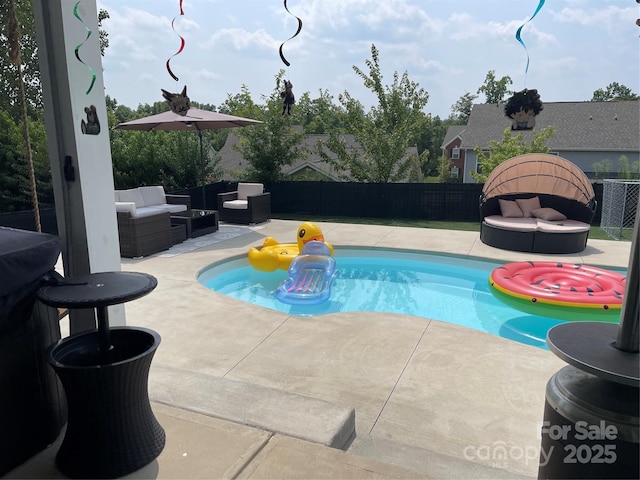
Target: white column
{"x":78,"y":147}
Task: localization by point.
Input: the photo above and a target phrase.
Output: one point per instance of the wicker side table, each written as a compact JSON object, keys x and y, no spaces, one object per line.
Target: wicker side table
{"x":111,"y":429}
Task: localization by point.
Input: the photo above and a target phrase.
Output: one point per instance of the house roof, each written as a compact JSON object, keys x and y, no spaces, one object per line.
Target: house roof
{"x":232,"y":161}
{"x":453,"y":132}
{"x":579,"y":126}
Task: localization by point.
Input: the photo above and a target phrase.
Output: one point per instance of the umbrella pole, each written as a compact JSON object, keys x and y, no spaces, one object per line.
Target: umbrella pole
{"x":204,"y":205}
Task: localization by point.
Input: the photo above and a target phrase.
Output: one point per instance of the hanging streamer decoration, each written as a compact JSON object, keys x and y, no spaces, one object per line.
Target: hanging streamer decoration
{"x":182,"y":42}
{"x":286,"y":62}
{"x":526,"y":70}
{"x":77,"y":49}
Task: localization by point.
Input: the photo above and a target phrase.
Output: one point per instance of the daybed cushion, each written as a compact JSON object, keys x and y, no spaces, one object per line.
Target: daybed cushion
{"x":520,"y":224}
{"x":563,"y":226}
{"x":510,"y":209}
{"x":527,"y":205}
{"x":548,"y":214}
{"x":248,"y":189}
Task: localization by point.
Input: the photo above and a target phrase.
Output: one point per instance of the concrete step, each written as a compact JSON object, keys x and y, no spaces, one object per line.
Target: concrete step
{"x":426,"y":463}
{"x":267,"y":408}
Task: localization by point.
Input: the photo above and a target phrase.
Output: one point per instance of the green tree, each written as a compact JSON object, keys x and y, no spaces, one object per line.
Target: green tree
{"x":602,"y":168}
{"x":509,"y":147}
{"x":103,"y":34}
{"x":613,"y":92}
{"x":461,"y":110}
{"x":320,"y":115}
{"x":29,"y":60}
{"x":628,"y":172}
{"x":384,"y":133}
{"x":28,"y":65}
{"x":495,"y":90}
{"x":271,"y":145}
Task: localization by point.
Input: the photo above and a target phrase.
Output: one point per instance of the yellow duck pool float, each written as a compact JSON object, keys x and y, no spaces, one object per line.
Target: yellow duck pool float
{"x":273,"y":255}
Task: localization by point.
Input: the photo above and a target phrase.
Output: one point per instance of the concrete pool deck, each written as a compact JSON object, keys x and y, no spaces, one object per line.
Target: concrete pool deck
{"x":246,"y":392}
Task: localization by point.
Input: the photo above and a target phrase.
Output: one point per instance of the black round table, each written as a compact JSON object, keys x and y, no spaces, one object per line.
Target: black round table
{"x":98,"y":290}
{"x":111,"y":429}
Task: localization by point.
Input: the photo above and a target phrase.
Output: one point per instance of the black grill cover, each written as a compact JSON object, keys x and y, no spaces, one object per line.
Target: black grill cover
{"x":25,"y":257}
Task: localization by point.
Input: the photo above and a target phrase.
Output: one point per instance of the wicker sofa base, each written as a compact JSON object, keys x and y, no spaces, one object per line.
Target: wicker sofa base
{"x":141,"y":236}
{"x":533,"y":242}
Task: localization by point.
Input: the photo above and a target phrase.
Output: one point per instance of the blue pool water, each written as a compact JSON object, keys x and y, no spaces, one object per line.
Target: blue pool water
{"x":446,"y":288}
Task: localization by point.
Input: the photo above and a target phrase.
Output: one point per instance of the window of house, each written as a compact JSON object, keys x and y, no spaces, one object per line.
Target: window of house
{"x":455,"y":171}
{"x":455,"y":153}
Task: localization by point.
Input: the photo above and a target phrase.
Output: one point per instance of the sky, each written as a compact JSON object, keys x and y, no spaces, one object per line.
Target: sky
{"x":446,"y":46}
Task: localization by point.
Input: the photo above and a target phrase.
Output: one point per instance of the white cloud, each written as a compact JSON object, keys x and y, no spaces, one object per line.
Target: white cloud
{"x":447,"y":46}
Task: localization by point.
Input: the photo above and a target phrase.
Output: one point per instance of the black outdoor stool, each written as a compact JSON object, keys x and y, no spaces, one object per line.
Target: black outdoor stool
{"x":111,"y":429}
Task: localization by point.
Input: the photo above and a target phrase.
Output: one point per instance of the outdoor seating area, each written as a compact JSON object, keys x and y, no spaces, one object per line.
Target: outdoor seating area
{"x":249,"y":204}
{"x":144,"y":220}
{"x":537,"y":203}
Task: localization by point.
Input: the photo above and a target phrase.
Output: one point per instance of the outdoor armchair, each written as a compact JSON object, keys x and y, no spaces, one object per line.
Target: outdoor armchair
{"x":247,"y":205}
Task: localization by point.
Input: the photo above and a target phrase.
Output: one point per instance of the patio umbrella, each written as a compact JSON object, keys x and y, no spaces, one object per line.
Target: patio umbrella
{"x":194,"y":120}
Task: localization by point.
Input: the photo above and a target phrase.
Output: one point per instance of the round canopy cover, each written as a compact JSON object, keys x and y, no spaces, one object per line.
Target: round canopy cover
{"x":539,"y":173}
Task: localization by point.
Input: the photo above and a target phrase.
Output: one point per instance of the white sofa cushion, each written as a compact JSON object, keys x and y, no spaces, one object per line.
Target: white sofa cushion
{"x":236,"y":204}
{"x":126,"y":207}
{"x":148,"y":211}
{"x":171,"y":207}
{"x":132,"y":195}
{"x":153,"y":195}
{"x":145,"y":201}
{"x":247,"y":189}
{"x":521,"y":224}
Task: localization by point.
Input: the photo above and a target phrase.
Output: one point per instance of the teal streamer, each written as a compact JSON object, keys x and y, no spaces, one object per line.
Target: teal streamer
{"x":526,"y":70}
{"x":77,"y":49}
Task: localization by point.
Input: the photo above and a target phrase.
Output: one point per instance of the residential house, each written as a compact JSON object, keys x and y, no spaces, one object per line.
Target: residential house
{"x":585,"y":133}
{"x":313,"y":167}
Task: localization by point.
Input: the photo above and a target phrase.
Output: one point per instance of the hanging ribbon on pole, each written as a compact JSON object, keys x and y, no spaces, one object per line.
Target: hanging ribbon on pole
{"x":182,"y":43}
{"x":77,"y":49}
{"x":526,"y":70}
{"x":286,"y":62}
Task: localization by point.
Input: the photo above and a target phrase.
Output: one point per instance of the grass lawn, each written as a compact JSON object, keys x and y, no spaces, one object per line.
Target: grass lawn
{"x":595,"y":233}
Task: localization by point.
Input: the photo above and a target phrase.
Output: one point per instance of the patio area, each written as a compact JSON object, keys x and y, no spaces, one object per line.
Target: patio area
{"x":246,"y":392}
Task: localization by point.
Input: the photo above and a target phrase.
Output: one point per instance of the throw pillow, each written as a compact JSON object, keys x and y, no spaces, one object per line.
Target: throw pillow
{"x":527,"y":205}
{"x":549,"y":214}
{"x":510,"y":209}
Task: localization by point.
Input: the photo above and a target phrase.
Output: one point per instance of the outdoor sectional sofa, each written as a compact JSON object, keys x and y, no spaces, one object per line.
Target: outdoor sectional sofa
{"x":144,"y":220}
{"x":537,"y":203}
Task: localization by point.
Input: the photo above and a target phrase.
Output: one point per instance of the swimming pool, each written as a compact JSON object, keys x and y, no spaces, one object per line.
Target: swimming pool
{"x":447,"y":288}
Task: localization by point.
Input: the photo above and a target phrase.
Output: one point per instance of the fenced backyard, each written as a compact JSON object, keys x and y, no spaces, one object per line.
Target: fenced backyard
{"x":410,"y":201}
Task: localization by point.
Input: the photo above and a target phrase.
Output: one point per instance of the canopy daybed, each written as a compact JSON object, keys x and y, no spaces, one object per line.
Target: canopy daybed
{"x":537,"y":203}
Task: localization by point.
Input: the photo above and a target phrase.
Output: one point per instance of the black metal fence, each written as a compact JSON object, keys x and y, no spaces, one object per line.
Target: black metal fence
{"x":454,"y":202}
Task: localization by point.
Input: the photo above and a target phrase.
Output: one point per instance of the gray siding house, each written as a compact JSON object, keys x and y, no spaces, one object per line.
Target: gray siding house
{"x":585,"y":133}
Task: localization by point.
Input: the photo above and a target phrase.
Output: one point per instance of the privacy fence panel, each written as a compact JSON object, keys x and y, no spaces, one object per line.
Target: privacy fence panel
{"x":442,"y":201}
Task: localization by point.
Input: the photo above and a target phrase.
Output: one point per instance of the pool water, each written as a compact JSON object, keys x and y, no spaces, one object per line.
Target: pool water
{"x":446,"y":288}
